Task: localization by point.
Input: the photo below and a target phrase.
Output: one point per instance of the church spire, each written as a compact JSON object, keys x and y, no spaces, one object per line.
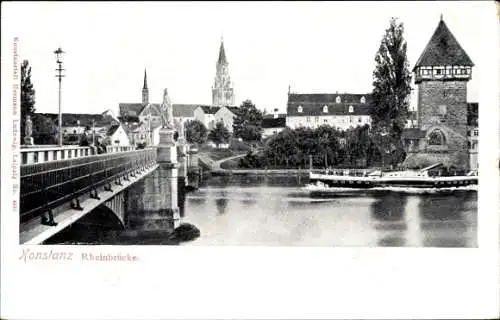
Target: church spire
{"x":222,"y":90}
{"x":145,"y":85}
{"x":145,"y":90}
{"x":222,"y":53}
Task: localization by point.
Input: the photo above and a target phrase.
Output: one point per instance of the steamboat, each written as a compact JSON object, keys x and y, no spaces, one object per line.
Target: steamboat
{"x":435,"y":176}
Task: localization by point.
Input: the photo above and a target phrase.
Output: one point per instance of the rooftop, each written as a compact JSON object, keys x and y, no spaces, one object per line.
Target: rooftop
{"x":273,"y":122}
{"x":313,"y":104}
{"x":443,"y":49}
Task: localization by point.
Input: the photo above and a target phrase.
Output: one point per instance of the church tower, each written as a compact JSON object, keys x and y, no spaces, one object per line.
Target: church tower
{"x":222,"y":91}
{"x":441,"y":74}
{"x":145,"y":90}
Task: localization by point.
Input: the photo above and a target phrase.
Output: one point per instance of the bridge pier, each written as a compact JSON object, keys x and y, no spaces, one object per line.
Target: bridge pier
{"x":158,"y":209}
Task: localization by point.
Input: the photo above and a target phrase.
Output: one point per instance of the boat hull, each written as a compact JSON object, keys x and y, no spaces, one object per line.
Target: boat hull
{"x":377,"y":182}
{"x":346,"y":183}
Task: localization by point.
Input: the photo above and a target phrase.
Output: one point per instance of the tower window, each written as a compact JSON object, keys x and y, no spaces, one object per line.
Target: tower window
{"x":442,"y":112}
{"x":338,"y":100}
{"x":299,"y":109}
{"x":436,"y":138}
{"x":351,"y":109}
{"x":363,"y":100}
{"x":325,"y":109}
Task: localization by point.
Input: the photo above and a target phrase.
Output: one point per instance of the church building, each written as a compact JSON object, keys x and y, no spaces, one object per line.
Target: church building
{"x":222,"y":90}
{"x":441,"y":74}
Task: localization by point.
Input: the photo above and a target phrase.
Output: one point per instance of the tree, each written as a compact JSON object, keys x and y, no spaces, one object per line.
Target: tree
{"x":196,"y":132}
{"x":247,"y":123}
{"x":219,"y":134}
{"x":44,"y":130}
{"x":391,"y":85}
{"x":27,"y":95}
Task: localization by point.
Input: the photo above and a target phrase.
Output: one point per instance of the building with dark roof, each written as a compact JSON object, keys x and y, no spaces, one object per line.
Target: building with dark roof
{"x":340,"y":110}
{"x":441,"y":74}
{"x":116,"y":135}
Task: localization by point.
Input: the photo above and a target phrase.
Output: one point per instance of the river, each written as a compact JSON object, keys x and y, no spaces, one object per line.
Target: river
{"x":278,"y":211}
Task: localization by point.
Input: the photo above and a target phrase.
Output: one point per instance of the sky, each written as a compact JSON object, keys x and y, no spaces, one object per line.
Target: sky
{"x":313,"y":47}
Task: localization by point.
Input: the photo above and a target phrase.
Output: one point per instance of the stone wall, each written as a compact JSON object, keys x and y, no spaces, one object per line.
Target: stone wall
{"x":432,"y":95}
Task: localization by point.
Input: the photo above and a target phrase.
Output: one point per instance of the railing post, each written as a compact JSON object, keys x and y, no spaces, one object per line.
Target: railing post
{"x":74,"y":203}
{"x":118,"y":181}
{"x":47,"y":215}
{"x":107,"y":186}
{"x":93,"y":189}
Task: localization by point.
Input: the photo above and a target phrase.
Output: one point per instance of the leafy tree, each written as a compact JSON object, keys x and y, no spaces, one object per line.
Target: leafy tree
{"x":219,"y":134}
{"x":391,"y":85}
{"x":27,"y":95}
{"x":196,"y":132}
{"x":44,"y":130}
{"x":247,"y":123}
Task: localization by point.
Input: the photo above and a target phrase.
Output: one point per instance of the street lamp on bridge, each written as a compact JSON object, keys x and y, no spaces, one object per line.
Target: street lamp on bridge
{"x":59,"y":53}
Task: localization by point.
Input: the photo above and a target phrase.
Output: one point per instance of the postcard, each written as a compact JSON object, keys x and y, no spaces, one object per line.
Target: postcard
{"x":250,"y":160}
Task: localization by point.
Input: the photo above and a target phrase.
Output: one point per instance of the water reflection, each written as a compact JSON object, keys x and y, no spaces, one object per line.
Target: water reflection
{"x":221,"y":202}
{"x":388,"y":213}
{"x":449,"y":220}
{"x":257,"y":210}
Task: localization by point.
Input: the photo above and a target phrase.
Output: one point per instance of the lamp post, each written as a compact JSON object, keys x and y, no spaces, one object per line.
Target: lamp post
{"x":150,"y":138}
{"x":93,"y":132}
{"x":59,"y":53}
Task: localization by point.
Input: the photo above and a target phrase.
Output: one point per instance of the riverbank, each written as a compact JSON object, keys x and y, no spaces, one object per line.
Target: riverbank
{"x":264,"y":172}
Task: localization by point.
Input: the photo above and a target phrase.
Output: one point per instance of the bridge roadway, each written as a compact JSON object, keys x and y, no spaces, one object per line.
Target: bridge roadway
{"x":72,"y":188}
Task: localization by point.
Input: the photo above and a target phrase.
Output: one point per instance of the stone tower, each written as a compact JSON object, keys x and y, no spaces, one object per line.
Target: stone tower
{"x":145,"y":90}
{"x":441,"y":74}
{"x":222,"y":91}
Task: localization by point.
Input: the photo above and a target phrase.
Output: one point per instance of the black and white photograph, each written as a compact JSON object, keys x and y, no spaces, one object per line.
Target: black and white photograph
{"x":280,"y":124}
{"x":386,"y":157}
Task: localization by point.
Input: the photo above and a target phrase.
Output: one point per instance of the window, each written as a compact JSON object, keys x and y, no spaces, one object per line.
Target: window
{"x":438,"y":71}
{"x":299,"y":109}
{"x":316,"y":119}
{"x":476,"y":132}
{"x":363,"y":100}
{"x":436,"y":138}
{"x":308,"y":119}
{"x":325,"y":121}
{"x":325,"y":109}
{"x":442,"y":112}
{"x":351,"y":109}
{"x":337,"y":100}
{"x":360,"y":119}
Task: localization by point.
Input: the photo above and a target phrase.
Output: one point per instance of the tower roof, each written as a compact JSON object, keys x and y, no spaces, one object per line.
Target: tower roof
{"x":145,"y":85}
{"x":443,"y":49}
{"x":222,"y":54}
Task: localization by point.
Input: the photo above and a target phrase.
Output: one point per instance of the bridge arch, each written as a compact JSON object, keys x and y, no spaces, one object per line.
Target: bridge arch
{"x":116,"y":207}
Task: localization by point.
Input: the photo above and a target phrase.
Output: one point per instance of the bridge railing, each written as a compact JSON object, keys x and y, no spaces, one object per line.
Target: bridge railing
{"x":45,"y":186}
{"x":41,"y":153}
